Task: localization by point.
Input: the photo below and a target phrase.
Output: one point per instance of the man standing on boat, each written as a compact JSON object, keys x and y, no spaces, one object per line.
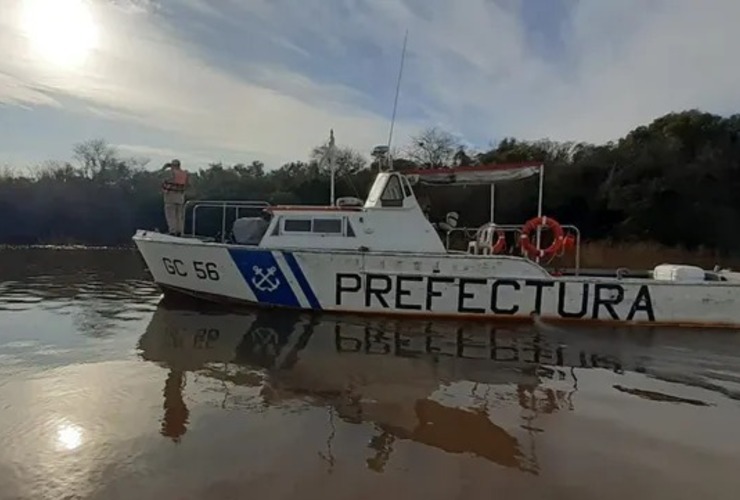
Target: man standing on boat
{"x":173,"y":190}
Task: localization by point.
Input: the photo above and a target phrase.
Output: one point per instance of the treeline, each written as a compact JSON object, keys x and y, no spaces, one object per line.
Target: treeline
{"x":675,"y":181}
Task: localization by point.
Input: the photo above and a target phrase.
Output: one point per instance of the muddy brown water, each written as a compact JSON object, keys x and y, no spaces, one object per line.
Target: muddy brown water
{"x":107,"y":391}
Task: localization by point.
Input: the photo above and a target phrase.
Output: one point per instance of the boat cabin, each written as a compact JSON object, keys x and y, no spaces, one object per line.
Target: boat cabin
{"x":389,"y":220}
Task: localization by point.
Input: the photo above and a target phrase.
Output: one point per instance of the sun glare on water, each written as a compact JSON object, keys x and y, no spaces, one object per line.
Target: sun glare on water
{"x":61,"y":32}
{"x":69,"y":437}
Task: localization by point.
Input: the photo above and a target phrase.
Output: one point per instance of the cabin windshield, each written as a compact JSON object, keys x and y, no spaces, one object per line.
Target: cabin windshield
{"x":390,"y":190}
{"x":392,"y":194}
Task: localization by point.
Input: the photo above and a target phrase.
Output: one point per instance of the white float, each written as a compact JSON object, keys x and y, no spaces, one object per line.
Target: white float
{"x":385,"y":257}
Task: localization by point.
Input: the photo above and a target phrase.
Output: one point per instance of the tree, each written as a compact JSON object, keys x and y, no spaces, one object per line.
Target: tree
{"x":673,"y":181}
{"x":95,"y":156}
{"x":101,"y":161}
{"x":347,"y":160}
{"x":433,"y":148}
{"x":462,"y":158}
{"x":255,"y":169}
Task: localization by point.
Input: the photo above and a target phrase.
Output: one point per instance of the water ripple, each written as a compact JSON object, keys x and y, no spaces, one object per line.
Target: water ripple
{"x":106,"y":391}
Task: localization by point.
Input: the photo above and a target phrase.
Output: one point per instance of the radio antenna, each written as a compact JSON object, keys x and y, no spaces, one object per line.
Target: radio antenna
{"x":395,"y":100}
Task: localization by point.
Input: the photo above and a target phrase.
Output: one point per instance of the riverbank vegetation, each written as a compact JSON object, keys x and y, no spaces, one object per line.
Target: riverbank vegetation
{"x":673,"y":183}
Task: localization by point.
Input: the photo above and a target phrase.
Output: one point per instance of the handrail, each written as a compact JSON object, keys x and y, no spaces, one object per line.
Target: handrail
{"x":224,"y":205}
{"x":470,"y":232}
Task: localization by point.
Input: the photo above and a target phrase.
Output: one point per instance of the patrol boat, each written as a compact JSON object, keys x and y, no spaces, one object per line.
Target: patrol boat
{"x":384,"y":256}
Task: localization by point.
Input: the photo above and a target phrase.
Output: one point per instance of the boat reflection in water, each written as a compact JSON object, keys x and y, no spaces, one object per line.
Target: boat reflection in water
{"x":469,"y":389}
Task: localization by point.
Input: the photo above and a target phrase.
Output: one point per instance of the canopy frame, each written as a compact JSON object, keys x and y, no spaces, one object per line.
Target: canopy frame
{"x":477,"y":175}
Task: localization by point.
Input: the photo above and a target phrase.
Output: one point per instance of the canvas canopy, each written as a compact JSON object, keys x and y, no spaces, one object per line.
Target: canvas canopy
{"x":474,"y":175}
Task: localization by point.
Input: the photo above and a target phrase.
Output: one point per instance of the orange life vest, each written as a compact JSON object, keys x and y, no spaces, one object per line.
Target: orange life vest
{"x":178,"y":182}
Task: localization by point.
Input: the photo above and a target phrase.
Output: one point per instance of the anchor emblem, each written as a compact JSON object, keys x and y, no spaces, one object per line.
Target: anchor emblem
{"x":265,"y":339}
{"x":265,"y":281}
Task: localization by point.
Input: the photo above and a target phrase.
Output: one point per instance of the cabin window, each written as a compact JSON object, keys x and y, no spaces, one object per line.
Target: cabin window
{"x":318,"y":225}
{"x":297,"y":226}
{"x":333,"y":226}
{"x":407,"y":188}
{"x":392,"y":194}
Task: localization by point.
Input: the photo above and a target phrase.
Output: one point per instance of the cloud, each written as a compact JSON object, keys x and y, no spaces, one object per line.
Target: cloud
{"x":269,"y":79}
{"x":633,"y":61}
{"x":144,"y":73}
{"x":19,"y":93}
{"x":473,"y":66}
{"x":622,"y":64}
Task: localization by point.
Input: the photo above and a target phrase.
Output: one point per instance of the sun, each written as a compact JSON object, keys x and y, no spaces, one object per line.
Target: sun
{"x":61,"y":32}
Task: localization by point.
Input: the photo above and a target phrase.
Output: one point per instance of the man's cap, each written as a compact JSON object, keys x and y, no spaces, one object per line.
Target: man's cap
{"x":175,"y":162}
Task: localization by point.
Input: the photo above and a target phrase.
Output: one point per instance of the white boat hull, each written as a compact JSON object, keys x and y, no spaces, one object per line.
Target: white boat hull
{"x":450,"y":285}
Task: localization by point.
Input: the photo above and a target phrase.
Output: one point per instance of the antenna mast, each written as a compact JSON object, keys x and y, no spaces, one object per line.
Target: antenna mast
{"x":332,"y":165}
{"x":395,"y":101}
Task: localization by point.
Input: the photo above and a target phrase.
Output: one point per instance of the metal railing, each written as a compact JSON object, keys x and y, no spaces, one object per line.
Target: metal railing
{"x":470,"y":233}
{"x":225,"y":206}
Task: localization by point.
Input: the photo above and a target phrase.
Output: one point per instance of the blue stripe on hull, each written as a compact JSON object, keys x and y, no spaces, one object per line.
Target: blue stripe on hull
{"x":302,"y":281}
{"x":264,"y":277}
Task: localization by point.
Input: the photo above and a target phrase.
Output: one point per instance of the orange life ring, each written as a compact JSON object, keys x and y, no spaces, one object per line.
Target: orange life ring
{"x":532,"y":224}
{"x":500,"y":244}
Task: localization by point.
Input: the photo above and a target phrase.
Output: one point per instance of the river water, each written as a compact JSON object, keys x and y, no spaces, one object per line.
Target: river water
{"x":108,"y":392}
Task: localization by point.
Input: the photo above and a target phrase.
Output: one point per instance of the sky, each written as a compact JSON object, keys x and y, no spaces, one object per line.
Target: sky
{"x":244,"y":80}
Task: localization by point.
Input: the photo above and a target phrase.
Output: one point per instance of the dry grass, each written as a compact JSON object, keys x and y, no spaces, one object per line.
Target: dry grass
{"x":602,"y":254}
{"x":635,"y":256}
